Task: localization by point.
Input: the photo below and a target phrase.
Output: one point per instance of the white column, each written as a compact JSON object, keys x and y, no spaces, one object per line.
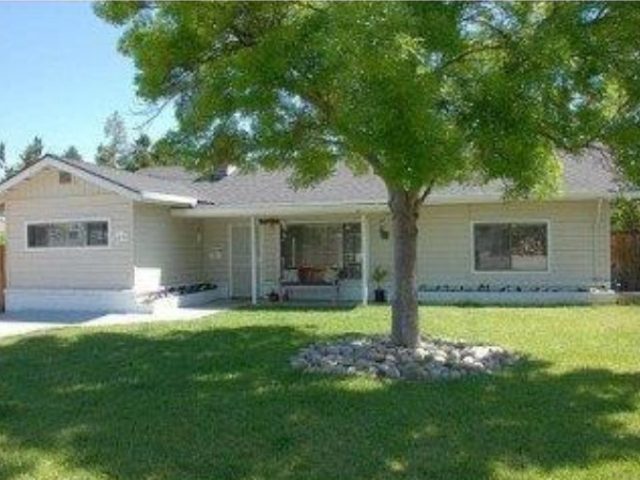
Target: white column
{"x":364,"y":240}
{"x":254,"y":262}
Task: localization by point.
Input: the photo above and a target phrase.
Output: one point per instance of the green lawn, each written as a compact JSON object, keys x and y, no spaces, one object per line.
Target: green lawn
{"x":216,"y":399}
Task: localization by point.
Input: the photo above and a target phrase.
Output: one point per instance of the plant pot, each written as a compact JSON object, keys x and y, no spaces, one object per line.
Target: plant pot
{"x":274,"y":297}
{"x":380,"y":295}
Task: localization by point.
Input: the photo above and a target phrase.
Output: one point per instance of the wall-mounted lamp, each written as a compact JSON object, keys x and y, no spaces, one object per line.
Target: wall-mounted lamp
{"x":384,"y":230}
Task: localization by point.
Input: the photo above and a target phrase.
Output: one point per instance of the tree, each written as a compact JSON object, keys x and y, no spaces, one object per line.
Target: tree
{"x":72,"y":153}
{"x":421,"y":93}
{"x":625,"y":216}
{"x":141,"y":154}
{"x":115,"y":151}
{"x":3,"y":157}
{"x":32,"y":153}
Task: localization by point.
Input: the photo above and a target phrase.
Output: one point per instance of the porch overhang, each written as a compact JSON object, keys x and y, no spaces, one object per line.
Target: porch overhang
{"x":360,"y":208}
{"x":279,"y":210}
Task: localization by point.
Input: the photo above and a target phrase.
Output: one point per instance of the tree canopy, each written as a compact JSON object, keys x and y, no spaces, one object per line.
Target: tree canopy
{"x":72,"y":153}
{"x":32,"y":153}
{"x":113,"y":153}
{"x":422,"y":93}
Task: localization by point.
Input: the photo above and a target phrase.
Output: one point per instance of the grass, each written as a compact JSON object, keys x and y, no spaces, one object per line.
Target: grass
{"x":216,"y":399}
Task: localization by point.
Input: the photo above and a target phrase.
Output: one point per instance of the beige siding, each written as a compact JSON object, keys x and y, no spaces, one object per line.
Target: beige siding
{"x":578,"y":243}
{"x":216,"y":252}
{"x":578,"y":246}
{"x":168,"y":250}
{"x":381,"y":245}
{"x":42,"y":198}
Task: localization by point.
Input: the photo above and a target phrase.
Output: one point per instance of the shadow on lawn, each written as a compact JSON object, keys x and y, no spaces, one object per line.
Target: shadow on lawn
{"x":224,"y":403}
{"x":301,"y":306}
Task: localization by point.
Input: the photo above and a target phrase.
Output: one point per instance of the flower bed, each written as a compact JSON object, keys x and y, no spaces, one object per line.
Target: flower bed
{"x":179,"y":296}
{"x":515,"y":294}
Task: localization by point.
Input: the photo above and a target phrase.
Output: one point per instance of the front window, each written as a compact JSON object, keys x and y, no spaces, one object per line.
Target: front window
{"x":321,"y":253}
{"x":521,"y":247}
{"x":68,"y":234}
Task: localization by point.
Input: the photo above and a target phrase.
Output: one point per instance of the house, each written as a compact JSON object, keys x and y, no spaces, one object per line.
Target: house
{"x":86,"y":237}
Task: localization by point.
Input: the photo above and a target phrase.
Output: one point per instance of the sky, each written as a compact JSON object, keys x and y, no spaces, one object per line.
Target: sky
{"x":61,"y":76}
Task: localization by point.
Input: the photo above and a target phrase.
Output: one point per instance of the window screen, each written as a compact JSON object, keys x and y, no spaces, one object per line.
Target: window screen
{"x":510,"y":247}
{"x":68,"y":234}
{"x":323,"y":246}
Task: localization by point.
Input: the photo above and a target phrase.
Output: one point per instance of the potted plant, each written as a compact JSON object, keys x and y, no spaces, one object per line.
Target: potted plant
{"x":378,"y":276}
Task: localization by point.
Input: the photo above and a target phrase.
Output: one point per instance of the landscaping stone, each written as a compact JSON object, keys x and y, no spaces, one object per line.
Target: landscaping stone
{"x":433,"y":359}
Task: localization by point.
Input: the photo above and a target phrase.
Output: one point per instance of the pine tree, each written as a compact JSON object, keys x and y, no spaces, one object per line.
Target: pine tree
{"x":114,"y":152}
{"x":72,"y":153}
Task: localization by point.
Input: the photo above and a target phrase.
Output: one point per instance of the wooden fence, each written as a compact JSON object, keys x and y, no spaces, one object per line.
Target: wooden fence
{"x":3,"y":275}
{"x":625,"y":261}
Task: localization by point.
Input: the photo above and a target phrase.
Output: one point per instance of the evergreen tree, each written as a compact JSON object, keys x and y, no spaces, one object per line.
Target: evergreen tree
{"x":72,"y":153}
{"x":32,"y":153}
{"x":3,"y":157}
{"x":113,"y":153}
{"x":141,"y":155}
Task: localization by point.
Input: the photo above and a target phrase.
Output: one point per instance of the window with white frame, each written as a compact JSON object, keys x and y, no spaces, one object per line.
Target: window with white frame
{"x":519,"y":247}
{"x":75,"y":234}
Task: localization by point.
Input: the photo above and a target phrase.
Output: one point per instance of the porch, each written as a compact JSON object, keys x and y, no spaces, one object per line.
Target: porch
{"x":290,"y":257}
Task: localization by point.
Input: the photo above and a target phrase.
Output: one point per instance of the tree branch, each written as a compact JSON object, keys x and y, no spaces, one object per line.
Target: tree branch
{"x":426,"y":193}
{"x":471,"y":51}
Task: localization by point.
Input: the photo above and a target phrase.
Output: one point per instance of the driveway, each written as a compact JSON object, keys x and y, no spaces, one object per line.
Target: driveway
{"x":26,"y":322}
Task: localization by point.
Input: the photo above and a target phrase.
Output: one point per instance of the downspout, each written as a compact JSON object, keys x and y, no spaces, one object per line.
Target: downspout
{"x":596,"y":232}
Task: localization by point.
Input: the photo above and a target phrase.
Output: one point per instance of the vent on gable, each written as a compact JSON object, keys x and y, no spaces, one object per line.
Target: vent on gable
{"x":64,"y":178}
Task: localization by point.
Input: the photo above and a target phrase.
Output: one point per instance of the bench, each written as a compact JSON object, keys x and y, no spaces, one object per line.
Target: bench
{"x":290,"y":288}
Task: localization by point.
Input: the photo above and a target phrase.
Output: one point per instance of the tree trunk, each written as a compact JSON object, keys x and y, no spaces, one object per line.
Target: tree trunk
{"x":405,"y":208}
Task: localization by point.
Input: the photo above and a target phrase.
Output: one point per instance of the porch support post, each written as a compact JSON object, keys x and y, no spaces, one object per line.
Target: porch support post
{"x":364,"y":240}
{"x":254,"y":262}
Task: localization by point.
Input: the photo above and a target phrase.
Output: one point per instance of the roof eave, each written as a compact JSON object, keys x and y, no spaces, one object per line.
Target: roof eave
{"x":132,"y":194}
{"x":281,"y":209}
{"x":325,"y":208}
{"x":167,"y":199}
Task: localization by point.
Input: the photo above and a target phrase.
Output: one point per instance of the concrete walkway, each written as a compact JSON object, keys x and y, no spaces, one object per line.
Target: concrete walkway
{"x":25,"y":322}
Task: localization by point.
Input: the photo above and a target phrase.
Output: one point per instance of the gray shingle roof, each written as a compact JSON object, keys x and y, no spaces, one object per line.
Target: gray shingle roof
{"x":170,"y":173}
{"x":587,"y":174}
{"x":134,"y":181}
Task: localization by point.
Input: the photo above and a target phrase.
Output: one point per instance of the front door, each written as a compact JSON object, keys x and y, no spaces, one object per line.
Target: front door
{"x":241,"y":261}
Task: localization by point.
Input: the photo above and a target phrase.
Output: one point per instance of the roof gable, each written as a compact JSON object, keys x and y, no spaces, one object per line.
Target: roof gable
{"x":126,"y":184}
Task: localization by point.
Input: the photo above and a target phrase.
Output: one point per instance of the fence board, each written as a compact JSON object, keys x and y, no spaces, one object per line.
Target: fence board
{"x":625,"y":261}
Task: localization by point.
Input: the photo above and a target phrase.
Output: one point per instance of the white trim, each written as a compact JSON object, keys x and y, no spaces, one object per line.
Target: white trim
{"x":254,"y":262}
{"x":92,"y":248}
{"x":377,"y":206}
{"x":518,"y":298}
{"x":279,"y":254}
{"x":230,"y":259}
{"x":497,"y":198}
{"x":595,"y":235}
{"x":112,"y":186}
{"x":260,"y":257}
{"x":473,"y":223}
{"x":270,"y":210}
{"x":164,"y":198}
{"x":324,"y":221}
{"x":78,"y":300}
{"x":49,"y":161}
{"x":365,"y":250}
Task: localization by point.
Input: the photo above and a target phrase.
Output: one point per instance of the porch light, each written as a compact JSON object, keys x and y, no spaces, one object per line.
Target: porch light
{"x":383,"y":230}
